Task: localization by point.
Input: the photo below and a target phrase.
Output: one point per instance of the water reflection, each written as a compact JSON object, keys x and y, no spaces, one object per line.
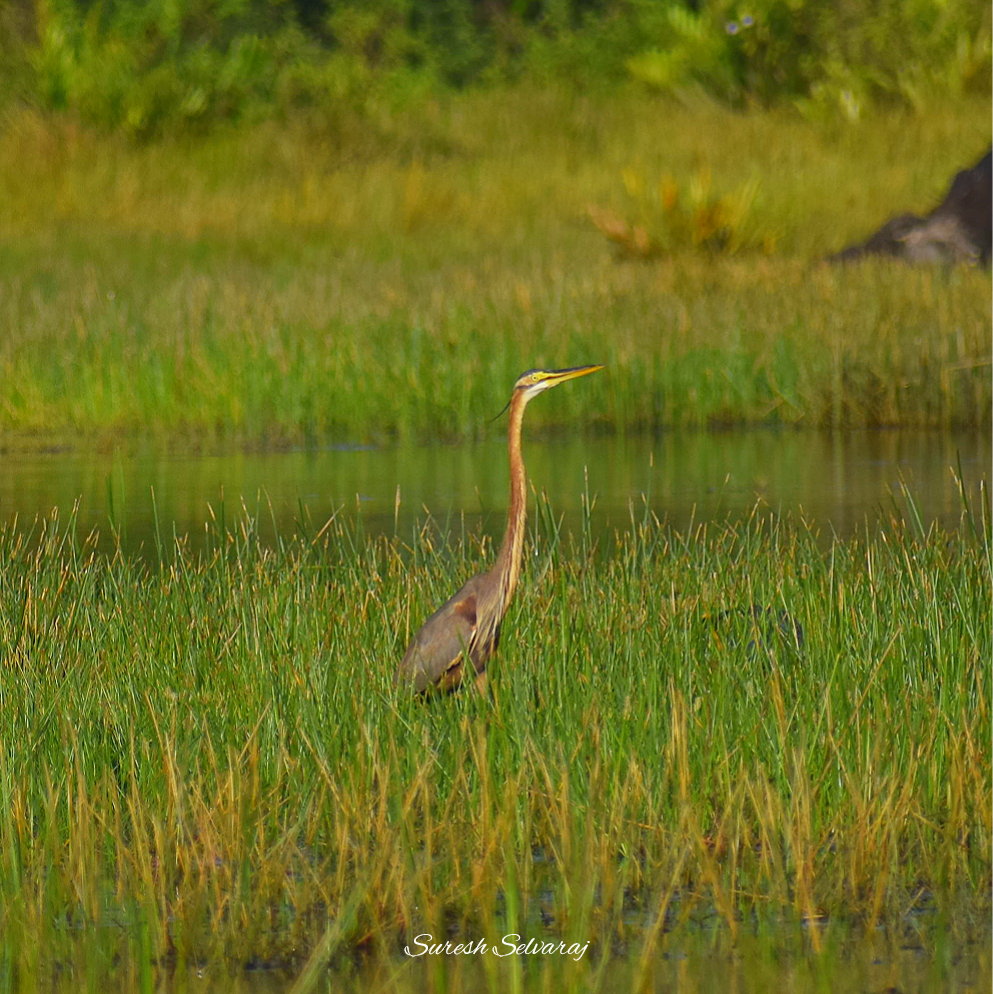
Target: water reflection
{"x":694,"y":959}
{"x":839,"y":482}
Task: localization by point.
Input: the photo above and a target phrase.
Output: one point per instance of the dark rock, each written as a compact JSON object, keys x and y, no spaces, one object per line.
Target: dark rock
{"x":959,"y":229}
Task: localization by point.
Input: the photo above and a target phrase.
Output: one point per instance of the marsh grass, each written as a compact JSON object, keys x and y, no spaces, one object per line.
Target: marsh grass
{"x":204,"y":760}
{"x":287,"y":284}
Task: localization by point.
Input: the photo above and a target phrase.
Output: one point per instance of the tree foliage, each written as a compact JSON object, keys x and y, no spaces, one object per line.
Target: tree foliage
{"x":151,"y":65}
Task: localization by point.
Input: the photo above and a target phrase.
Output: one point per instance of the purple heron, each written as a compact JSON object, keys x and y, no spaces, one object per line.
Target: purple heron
{"x":467,"y":626}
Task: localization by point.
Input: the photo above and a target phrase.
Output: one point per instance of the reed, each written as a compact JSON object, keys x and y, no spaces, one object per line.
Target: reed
{"x":204,"y":761}
{"x":281,"y":284}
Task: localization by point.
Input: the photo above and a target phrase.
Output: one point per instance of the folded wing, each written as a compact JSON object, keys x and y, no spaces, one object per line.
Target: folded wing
{"x":437,"y":655}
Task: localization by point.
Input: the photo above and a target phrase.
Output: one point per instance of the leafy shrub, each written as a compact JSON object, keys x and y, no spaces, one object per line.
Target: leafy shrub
{"x":822,"y":55}
{"x":16,"y":40}
{"x":659,"y":217}
{"x":150,"y":65}
{"x":160,"y":64}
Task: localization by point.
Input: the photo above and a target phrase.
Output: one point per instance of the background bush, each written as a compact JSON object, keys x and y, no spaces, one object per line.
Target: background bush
{"x":835,"y":55}
{"x":145,"y":66}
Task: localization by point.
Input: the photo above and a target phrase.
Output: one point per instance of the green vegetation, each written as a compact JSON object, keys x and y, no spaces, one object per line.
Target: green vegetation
{"x":287,"y":283}
{"x":208,"y":753}
{"x":163,"y":65}
{"x":252,"y":223}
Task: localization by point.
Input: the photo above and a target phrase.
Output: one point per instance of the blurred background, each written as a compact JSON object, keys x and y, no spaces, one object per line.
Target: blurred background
{"x":299,"y":251}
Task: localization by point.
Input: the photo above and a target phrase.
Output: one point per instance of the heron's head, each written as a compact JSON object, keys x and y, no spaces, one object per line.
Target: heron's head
{"x":535,"y":380}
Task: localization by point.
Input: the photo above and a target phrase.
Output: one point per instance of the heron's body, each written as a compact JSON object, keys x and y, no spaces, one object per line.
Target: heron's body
{"x":467,"y":625}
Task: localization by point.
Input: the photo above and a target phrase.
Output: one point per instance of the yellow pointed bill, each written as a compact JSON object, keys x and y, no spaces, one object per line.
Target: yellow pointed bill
{"x":561,"y":375}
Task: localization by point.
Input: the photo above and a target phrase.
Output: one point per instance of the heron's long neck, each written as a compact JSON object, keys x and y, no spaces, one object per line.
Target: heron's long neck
{"x":508,"y":562}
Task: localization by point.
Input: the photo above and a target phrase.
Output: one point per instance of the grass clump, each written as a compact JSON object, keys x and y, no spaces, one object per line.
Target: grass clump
{"x":666,"y":218}
{"x":208,"y":753}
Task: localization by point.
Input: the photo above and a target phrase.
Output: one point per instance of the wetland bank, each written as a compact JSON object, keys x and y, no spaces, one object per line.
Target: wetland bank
{"x":204,"y":769}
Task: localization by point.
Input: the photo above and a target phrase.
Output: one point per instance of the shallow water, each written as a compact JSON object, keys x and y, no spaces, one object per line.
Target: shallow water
{"x":914,"y":959}
{"x":838,"y":482}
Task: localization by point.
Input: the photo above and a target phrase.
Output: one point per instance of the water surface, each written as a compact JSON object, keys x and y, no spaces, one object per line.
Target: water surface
{"x":837,"y":482}
{"x":699,"y":959}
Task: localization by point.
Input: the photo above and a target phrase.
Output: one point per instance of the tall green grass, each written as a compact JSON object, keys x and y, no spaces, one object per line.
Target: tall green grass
{"x":204,"y":759}
{"x":284,"y":284}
